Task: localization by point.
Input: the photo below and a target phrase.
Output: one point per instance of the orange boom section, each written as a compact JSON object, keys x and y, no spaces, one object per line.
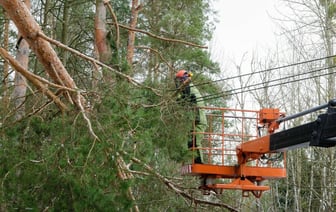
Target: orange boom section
{"x":236,"y":151}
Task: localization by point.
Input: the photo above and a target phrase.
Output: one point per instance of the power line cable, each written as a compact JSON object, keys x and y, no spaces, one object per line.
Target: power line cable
{"x":254,"y":88}
{"x":219,"y":95}
{"x":226,"y":93}
{"x":261,"y":71}
{"x":265,"y":70}
{"x":262,"y":83}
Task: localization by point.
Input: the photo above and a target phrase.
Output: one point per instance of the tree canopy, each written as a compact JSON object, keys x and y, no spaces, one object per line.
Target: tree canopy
{"x":100,"y":126}
{"x":89,"y":118}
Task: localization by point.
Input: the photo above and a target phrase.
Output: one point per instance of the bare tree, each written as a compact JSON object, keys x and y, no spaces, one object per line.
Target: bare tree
{"x":310,"y":33}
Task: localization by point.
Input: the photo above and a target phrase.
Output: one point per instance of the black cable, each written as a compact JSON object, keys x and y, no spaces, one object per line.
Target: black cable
{"x":219,"y":95}
{"x":265,"y":70}
{"x":283,"y":78}
{"x":240,"y":90}
{"x":227,"y":93}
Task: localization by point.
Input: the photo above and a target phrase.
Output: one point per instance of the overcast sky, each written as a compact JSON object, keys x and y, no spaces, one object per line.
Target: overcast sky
{"x":244,"y":27}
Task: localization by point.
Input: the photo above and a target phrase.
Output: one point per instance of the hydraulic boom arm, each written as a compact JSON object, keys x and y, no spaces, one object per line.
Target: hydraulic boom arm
{"x":320,"y":133}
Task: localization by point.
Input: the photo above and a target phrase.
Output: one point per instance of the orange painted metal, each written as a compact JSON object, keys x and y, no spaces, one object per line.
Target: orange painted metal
{"x":235,"y":151}
{"x":216,"y":171}
{"x":268,"y":117}
{"x":254,"y":149}
{"x":258,"y":145}
{"x":242,"y":184}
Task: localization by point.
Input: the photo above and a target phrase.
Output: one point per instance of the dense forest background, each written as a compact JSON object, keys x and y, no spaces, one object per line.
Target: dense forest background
{"x":89,"y":119}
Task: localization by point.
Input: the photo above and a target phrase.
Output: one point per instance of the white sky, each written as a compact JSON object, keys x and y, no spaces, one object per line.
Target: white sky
{"x":244,"y":27}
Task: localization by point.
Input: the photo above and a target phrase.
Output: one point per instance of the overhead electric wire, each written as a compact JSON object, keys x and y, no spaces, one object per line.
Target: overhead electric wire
{"x":242,"y":90}
{"x":229,"y":92}
{"x":219,"y":95}
{"x":265,"y":70}
{"x":280,"y":79}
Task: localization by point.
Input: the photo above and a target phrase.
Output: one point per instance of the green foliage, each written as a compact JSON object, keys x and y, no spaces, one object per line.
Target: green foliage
{"x":330,"y":8}
{"x":57,"y":166}
{"x":185,"y":21}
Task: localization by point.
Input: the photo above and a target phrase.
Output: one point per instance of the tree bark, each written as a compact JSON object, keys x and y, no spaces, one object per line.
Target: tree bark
{"x":131,"y":34}
{"x":32,"y":78}
{"x":6,"y":66}
{"x":20,"y":84}
{"x":30,"y":30}
{"x":65,"y":24}
{"x":103,"y":47}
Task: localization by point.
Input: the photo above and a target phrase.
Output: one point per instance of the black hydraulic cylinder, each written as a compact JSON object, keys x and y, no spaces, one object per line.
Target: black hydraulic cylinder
{"x":320,"y":133}
{"x":320,"y":107}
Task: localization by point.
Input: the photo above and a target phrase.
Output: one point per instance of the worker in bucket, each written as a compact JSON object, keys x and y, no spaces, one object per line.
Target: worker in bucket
{"x":189,"y":94}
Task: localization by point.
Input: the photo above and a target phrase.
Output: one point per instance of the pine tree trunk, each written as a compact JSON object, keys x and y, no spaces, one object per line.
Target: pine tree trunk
{"x":102,"y":45}
{"x":6,"y":66}
{"x":65,"y":24}
{"x":131,"y":34}
{"x":20,"y":84}
{"x":30,"y":30}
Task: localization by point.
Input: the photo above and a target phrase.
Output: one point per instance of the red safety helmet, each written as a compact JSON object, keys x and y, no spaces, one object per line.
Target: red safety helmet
{"x":183,"y":74}
{"x":181,"y":77}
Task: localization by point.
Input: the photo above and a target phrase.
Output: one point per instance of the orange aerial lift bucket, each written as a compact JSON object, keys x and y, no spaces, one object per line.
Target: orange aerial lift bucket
{"x":236,"y":153}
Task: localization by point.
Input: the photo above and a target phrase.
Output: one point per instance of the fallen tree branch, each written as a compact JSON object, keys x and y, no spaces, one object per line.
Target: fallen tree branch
{"x":125,"y":176}
{"x":172,"y":186}
{"x":33,"y":80}
{"x":97,"y":62}
{"x":86,"y":119}
{"x":29,"y":29}
{"x":163,"y":38}
{"x":158,"y":53}
{"x":114,"y":17}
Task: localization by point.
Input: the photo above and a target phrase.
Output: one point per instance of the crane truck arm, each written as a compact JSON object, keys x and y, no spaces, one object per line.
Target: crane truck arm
{"x":319,"y":133}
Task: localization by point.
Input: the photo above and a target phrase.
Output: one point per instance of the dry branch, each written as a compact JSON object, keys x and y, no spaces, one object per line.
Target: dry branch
{"x":29,"y":76}
{"x":175,"y":188}
{"x":163,"y":38}
{"x":125,"y":176}
{"x":116,"y":24}
{"x":158,"y":53}
{"x":29,"y":29}
{"x":87,"y":119}
{"x":96,"y":62}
